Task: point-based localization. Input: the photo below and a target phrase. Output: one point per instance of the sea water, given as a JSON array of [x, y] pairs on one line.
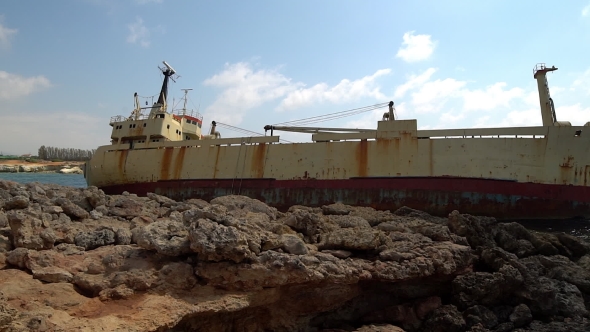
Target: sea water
[[72, 180]]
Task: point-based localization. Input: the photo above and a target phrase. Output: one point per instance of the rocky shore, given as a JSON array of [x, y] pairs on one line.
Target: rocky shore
[[41, 168], [79, 260]]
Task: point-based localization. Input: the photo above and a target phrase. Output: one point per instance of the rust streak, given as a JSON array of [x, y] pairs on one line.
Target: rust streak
[[361, 156], [122, 159], [216, 166], [179, 162], [258, 160], [166, 161]]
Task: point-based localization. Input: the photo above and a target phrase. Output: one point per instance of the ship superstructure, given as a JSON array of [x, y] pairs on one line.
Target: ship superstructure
[[154, 123], [510, 173]]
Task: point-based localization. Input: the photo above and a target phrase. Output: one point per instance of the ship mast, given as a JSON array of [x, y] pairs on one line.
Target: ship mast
[[185, 98], [169, 71], [547, 107]]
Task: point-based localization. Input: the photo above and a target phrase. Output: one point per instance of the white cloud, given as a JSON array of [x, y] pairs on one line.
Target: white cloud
[[413, 82], [52, 129], [344, 91], [244, 89], [138, 33], [586, 10], [433, 95], [576, 114], [492, 97], [582, 82], [13, 86], [415, 47], [449, 118], [6, 35]]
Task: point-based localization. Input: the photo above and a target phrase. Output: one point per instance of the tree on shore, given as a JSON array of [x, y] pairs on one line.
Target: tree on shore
[[66, 154]]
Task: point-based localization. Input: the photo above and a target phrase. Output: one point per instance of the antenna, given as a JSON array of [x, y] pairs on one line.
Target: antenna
[[172, 71], [185, 98]]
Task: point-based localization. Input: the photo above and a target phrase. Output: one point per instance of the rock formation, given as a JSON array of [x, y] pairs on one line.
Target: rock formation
[[76, 259], [58, 167]]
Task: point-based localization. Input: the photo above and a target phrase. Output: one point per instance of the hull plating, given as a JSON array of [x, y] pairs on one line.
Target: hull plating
[[438, 196]]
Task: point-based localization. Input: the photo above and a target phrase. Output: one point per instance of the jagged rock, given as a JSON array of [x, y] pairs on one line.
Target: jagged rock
[[17, 202], [337, 209], [214, 242], [338, 253], [550, 297], [354, 239], [52, 274], [17, 257], [71, 209], [445, 319], [479, 314], [575, 245], [310, 224], [379, 328], [52, 209], [213, 212], [5, 244], [163, 200], [372, 216], [3, 219], [95, 239], [234, 202], [347, 221], [29, 232], [477, 230], [486, 288], [293, 244], [167, 237], [521, 316], [95, 196], [150, 263], [123, 236]]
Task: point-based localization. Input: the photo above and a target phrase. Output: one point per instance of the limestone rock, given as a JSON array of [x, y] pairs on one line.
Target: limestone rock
[[167, 237], [92, 261], [95, 239], [214, 242], [521, 316], [17, 202], [71, 209]]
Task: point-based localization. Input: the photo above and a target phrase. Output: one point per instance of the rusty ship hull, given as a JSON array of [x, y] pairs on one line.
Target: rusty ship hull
[[538, 172], [525, 173]]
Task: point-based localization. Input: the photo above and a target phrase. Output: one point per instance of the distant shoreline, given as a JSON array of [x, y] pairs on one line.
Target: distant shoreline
[[40, 166]]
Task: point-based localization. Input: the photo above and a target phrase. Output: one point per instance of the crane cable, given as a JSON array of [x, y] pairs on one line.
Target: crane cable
[[244, 131], [332, 116], [311, 120]]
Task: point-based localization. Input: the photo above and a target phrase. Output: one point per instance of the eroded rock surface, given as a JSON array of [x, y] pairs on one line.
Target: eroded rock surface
[[77, 259]]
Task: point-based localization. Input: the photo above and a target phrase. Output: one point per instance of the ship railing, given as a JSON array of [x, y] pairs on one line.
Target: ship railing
[[117, 118], [203, 143], [539, 66], [121, 118], [515, 132], [191, 113], [509, 132]]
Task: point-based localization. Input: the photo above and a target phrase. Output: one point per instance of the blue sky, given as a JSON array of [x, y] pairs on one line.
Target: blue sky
[[67, 66]]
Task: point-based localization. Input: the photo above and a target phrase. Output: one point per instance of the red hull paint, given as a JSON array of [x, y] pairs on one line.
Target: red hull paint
[[438, 196]]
